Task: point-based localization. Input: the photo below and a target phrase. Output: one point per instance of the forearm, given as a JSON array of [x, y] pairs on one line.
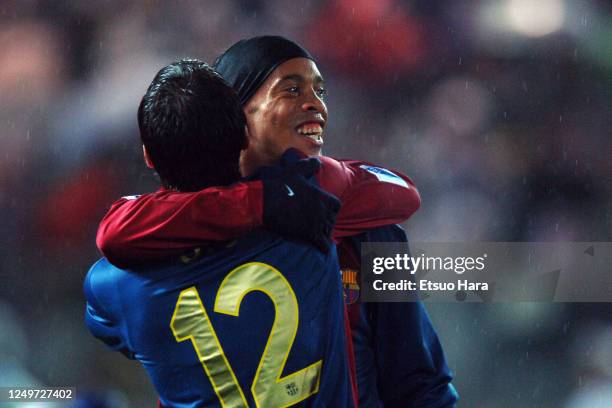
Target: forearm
[[371, 196], [158, 225]]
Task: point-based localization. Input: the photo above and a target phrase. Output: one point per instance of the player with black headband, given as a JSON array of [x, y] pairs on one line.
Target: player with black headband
[[246, 315], [399, 358]]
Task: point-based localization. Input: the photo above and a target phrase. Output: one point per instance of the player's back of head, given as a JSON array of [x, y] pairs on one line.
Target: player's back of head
[[192, 126]]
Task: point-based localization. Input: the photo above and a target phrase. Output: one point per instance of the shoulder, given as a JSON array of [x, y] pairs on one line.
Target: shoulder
[[330, 164], [382, 174], [334, 175], [284, 250], [96, 273], [100, 282]]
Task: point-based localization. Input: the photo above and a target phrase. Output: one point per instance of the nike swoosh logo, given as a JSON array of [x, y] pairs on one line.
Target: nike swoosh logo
[[290, 192]]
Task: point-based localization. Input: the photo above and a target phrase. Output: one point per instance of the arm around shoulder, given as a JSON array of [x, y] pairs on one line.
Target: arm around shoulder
[[371, 196], [155, 226]]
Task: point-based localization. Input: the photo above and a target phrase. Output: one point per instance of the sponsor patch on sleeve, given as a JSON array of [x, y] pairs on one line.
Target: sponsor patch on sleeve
[[131, 197], [385, 175]]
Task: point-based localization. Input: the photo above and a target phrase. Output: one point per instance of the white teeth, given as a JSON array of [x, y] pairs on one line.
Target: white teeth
[[316, 138], [310, 130]]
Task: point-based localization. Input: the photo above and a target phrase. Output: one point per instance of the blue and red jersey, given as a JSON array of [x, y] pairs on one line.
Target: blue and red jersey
[[259, 322], [399, 359], [154, 226]]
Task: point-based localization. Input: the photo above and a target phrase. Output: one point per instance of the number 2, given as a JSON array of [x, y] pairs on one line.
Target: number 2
[[190, 322]]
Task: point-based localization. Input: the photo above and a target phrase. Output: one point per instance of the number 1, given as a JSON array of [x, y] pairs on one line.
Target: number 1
[[190, 322]]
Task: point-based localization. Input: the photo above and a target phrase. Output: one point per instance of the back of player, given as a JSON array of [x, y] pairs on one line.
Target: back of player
[[259, 323]]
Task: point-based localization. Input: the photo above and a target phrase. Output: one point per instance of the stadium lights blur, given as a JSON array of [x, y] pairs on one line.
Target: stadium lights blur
[[534, 18]]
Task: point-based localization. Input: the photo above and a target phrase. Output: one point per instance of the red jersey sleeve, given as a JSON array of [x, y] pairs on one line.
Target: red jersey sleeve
[[371, 196], [154, 226]]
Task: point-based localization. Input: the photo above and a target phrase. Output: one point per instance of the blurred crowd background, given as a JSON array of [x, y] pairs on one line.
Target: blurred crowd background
[[500, 110]]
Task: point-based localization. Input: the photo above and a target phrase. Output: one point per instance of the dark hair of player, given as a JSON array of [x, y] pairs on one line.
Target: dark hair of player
[[192, 126]]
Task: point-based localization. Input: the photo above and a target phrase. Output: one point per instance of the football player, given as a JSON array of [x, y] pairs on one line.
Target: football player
[[253, 322], [399, 358]]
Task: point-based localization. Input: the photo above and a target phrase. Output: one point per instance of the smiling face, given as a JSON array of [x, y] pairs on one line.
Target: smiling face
[[288, 110]]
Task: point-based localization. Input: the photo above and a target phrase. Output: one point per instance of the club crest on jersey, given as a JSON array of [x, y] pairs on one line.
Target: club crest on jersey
[[350, 285], [385, 175], [291, 389]]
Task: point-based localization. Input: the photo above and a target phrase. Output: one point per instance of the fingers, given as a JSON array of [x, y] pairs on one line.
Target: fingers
[[293, 206], [306, 167]]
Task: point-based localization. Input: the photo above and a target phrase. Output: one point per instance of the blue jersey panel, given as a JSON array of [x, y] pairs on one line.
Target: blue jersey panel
[[399, 359], [263, 317]]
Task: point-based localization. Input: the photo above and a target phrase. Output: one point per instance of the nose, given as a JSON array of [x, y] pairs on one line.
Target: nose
[[312, 102]]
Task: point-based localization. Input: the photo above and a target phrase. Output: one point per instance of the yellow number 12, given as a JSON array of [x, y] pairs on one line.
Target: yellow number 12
[[191, 322]]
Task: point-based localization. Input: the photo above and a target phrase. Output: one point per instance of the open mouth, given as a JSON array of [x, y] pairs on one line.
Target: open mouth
[[311, 130]]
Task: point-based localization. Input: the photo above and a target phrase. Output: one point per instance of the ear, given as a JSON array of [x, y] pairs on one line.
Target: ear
[[147, 159]]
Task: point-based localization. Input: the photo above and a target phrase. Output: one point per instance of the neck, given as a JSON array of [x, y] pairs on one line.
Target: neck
[[249, 163]]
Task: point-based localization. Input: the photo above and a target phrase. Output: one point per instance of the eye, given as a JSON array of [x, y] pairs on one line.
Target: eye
[[321, 93], [293, 89]]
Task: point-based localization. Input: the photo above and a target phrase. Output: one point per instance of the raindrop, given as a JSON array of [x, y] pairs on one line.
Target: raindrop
[[566, 327]]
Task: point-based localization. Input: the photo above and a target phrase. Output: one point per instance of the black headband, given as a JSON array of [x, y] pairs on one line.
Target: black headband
[[248, 63]]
